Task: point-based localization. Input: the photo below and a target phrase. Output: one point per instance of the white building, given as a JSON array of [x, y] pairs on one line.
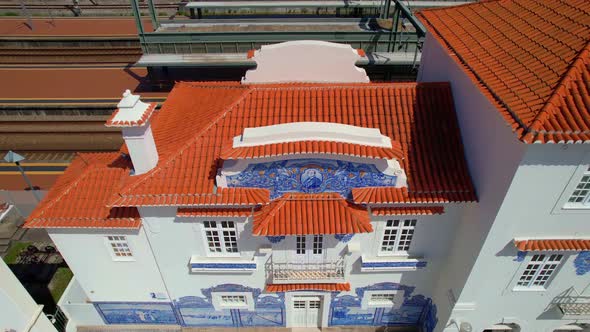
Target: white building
[[330, 201], [19, 312], [520, 75]]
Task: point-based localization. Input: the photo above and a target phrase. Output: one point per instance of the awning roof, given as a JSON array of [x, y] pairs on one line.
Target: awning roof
[[301, 214], [553, 244], [279, 288]]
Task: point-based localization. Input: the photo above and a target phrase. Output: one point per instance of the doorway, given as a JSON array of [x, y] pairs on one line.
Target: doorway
[[306, 311]]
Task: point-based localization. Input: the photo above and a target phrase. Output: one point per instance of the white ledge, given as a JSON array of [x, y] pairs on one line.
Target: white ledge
[[391, 263], [225, 264]]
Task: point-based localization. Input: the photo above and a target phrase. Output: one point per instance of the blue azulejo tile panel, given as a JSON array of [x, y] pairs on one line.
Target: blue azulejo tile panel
[[136, 313], [428, 319], [347, 309], [262, 317], [310, 176], [205, 317]]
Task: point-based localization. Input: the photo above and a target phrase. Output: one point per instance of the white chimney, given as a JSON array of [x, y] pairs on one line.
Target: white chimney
[[133, 116]]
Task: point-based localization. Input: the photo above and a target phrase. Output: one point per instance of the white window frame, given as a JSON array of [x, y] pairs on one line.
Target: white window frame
[[580, 189], [318, 244], [220, 235], [219, 304], [397, 241], [398, 299], [538, 264], [109, 240]]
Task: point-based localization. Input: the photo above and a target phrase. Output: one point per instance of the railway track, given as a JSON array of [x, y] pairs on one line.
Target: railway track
[[17, 7], [85, 55]]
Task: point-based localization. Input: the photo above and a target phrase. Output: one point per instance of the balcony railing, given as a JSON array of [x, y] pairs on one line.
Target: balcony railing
[[575, 306], [332, 271], [572, 303]]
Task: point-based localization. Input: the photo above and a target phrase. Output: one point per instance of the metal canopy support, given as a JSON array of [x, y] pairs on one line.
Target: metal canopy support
[[137, 15], [407, 13], [153, 14]]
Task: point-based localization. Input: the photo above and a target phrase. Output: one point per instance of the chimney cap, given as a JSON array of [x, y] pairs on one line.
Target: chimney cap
[[131, 112]]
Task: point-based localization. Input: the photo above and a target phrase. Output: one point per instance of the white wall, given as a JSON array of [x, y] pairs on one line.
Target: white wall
[[101, 277], [528, 211], [493, 154], [17, 307], [518, 187]]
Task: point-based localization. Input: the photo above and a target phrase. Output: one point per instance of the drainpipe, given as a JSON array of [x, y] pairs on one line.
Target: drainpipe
[[156, 261]]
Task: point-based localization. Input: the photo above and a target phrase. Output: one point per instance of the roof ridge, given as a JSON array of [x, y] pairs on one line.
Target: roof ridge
[[565, 79], [151, 173]]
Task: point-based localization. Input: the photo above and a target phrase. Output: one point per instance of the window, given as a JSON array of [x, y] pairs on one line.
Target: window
[[382, 299], [397, 235], [221, 236], [318, 243], [119, 247], [233, 300], [581, 194], [300, 245], [539, 270]]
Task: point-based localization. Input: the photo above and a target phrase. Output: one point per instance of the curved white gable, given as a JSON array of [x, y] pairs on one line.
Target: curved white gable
[[315, 131], [306, 61]]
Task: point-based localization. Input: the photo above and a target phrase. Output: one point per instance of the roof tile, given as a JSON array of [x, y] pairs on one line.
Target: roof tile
[[553, 244], [529, 57], [281, 288]]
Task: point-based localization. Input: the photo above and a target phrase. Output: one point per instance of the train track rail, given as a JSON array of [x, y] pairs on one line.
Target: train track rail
[[83, 7], [84, 55]]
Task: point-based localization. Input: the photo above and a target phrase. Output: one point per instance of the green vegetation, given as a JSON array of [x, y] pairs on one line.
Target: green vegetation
[[9, 14], [14, 251], [60, 281]]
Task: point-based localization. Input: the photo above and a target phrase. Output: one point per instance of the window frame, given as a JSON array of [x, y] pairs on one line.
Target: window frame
[[541, 266], [397, 241], [218, 304], [582, 179], [125, 240], [398, 299], [222, 243]]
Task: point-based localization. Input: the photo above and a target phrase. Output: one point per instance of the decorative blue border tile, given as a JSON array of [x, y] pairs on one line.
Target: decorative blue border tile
[[582, 263], [242, 266], [410, 264]]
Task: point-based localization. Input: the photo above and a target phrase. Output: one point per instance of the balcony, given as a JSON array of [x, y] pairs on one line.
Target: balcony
[[573, 305], [287, 272]]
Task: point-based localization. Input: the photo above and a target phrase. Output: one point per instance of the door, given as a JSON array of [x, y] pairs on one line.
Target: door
[[306, 311], [309, 249]]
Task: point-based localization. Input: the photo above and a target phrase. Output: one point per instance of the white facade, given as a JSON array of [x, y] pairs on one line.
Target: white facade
[[19, 312], [522, 190]]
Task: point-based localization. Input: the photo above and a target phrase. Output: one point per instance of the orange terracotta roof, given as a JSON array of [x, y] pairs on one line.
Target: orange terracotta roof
[[433, 159], [281, 288], [78, 197], [312, 147], [407, 210], [553, 244], [420, 116], [531, 58], [145, 116], [392, 195], [300, 214], [214, 212]]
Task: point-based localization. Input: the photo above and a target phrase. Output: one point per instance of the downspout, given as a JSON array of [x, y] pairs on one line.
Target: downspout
[[156, 261]]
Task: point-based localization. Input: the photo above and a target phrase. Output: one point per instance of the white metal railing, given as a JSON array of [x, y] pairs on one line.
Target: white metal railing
[[279, 271], [575, 306], [571, 303]]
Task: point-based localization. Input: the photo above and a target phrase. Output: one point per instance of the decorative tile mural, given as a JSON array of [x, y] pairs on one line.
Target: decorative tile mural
[[199, 311], [269, 310], [520, 256], [347, 310], [136, 313], [582, 263], [310, 176], [343, 237]]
